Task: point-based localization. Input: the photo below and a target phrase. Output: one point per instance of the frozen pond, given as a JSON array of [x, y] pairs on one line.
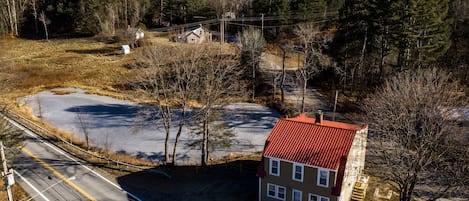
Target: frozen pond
[[111, 124]]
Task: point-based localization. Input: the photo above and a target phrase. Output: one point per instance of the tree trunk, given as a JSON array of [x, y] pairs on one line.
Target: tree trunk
[[305, 83], [305, 76], [45, 29], [166, 147], [126, 13], [204, 157], [178, 134], [362, 57], [384, 47], [282, 83], [166, 115], [344, 83], [10, 16], [274, 86], [35, 16], [15, 20], [253, 75], [160, 20]]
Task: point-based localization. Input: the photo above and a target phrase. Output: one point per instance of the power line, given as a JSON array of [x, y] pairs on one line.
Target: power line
[[243, 19], [272, 26]]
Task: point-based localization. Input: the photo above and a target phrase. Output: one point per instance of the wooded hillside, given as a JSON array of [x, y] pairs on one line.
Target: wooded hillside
[[372, 38]]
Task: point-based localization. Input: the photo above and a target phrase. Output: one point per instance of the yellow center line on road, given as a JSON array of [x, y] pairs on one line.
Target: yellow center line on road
[[60, 176]]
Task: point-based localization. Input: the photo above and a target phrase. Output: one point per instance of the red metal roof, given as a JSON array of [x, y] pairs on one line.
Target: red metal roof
[[301, 140]]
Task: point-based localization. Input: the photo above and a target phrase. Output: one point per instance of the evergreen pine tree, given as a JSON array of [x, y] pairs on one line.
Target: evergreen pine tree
[[421, 31], [351, 41], [379, 25], [280, 8], [309, 9]]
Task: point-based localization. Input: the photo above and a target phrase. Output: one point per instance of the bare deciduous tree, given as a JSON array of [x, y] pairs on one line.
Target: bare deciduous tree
[[45, 22], [34, 6], [222, 6], [219, 134], [413, 133], [39, 106], [313, 43], [11, 15], [251, 46], [218, 80], [108, 22], [178, 75], [85, 127], [169, 81]]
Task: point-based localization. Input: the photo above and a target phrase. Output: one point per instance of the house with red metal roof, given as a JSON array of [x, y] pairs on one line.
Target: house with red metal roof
[[311, 159]]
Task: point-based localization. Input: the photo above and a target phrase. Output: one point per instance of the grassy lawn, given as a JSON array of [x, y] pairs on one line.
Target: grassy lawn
[[97, 66], [16, 190], [35, 65]]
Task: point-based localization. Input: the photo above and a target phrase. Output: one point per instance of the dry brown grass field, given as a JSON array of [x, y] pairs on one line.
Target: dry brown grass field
[[35, 65], [29, 66], [96, 66], [17, 191]]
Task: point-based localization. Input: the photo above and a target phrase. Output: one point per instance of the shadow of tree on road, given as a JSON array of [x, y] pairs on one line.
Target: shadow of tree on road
[[233, 181]]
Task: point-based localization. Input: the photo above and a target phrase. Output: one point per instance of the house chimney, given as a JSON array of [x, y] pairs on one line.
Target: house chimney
[[319, 117]]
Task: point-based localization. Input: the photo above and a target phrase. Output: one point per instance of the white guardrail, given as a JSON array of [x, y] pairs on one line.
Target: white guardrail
[[44, 132]]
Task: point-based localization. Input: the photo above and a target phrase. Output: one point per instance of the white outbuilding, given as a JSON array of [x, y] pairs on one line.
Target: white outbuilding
[[125, 49]]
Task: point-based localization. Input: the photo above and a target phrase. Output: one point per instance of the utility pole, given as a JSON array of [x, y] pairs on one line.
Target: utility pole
[[222, 31], [5, 172], [222, 26], [262, 26], [242, 22], [335, 104]]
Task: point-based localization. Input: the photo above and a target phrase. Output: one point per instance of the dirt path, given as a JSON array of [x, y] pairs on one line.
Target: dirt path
[[293, 89]]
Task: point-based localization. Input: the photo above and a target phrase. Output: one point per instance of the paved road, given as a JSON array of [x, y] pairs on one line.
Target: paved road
[[47, 173]]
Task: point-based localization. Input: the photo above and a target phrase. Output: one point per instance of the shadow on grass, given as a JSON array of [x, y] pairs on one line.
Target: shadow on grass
[[225, 182], [109, 51]]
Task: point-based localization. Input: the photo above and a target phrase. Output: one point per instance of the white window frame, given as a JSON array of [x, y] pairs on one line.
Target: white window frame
[[311, 195], [268, 190], [277, 192], [318, 197], [319, 177], [293, 195], [284, 193], [294, 172], [270, 167], [322, 198]]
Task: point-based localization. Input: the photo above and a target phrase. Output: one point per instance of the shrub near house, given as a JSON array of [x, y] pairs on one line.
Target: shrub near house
[[311, 159]]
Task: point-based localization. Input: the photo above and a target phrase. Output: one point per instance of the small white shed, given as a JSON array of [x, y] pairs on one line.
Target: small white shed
[[134, 33], [125, 49], [139, 34]]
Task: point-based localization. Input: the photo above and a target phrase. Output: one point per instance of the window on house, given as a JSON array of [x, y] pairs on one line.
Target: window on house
[[324, 199], [297, 195], [323, 177], [281, 193], [276, 191], [271, 190], [298, 172], [313, 197], [274, 167]]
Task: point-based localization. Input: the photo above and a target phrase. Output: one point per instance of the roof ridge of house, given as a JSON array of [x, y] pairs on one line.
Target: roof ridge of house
[[329, 126]]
